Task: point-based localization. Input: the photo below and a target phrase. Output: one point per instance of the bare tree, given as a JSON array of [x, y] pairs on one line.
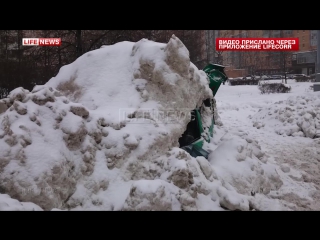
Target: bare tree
[[222, 56], [252, 61], [285, 58]]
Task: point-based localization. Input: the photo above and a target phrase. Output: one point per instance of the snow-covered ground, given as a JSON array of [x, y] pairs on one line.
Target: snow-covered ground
[[296, 157], [85, 140]]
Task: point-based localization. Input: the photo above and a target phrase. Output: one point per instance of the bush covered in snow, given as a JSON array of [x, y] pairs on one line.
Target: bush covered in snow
[[266, 87], [305, 78], [240, 81]]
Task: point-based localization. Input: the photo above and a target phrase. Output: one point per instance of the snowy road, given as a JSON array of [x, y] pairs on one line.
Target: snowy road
[[298, 156]]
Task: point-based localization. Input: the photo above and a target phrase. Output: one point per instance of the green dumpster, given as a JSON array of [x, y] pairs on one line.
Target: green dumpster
[[193, 138], [216, 76]]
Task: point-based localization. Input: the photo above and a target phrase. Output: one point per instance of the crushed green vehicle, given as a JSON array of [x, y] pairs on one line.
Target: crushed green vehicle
[[198, 130]]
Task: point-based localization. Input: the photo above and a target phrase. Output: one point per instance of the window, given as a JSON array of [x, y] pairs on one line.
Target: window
[[288, 32], [301, 60], [266, 33], [313, 38], [302, 45], [310, 71], [294, 57]]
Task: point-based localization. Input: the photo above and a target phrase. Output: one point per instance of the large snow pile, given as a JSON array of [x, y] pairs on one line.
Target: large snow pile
[[297, 116], [100, 122], [103, 134]]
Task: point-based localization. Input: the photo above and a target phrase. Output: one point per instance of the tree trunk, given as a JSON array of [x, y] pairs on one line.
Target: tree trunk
[[19, 33], [285, 73], [59, 58], [6, 36], [78, 43]]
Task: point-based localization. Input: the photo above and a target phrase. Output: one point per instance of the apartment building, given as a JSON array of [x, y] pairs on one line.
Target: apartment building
[[275, 62], [304, 61]]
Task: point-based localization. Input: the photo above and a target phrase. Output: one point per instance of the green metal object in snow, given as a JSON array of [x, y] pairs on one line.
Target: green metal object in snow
[[193, 138], [216, 76]]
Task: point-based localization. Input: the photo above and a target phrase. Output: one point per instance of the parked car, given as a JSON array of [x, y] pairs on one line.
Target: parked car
[[265, 77], [249, 77], [301, 78], [276, 77], [312, 75], [290, 76], [299, 75]]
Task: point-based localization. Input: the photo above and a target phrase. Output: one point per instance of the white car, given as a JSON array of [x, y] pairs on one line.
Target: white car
[[290, 75], [276, 77], [299, 75], [249, 77]]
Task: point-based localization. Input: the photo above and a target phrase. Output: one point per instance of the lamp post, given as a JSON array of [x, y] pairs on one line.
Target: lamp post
[[316, 85]]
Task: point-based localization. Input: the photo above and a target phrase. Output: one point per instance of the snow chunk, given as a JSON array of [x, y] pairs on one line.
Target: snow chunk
[[146, 195], [9, 204]]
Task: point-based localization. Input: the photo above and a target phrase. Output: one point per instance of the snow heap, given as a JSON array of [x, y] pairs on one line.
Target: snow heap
[[103, 134], [102, 120], [297, 116]]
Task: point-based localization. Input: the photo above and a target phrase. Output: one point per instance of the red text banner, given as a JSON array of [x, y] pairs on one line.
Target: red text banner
[[257, 44]]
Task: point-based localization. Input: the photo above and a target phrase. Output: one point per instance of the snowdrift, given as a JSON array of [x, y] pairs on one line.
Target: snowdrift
[[103, 134], [297, 116], [101, 121]]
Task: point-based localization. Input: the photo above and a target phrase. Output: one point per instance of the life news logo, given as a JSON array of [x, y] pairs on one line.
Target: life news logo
[[41, 42]]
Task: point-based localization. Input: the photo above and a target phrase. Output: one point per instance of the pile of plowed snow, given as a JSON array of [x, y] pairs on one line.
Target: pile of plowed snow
[[103, 134], [298, 116]]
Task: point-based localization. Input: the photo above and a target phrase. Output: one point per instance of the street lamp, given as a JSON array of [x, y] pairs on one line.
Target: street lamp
[[316, 85]]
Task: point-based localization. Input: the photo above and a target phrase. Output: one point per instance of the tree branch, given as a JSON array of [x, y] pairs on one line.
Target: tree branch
[[96, 40]]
